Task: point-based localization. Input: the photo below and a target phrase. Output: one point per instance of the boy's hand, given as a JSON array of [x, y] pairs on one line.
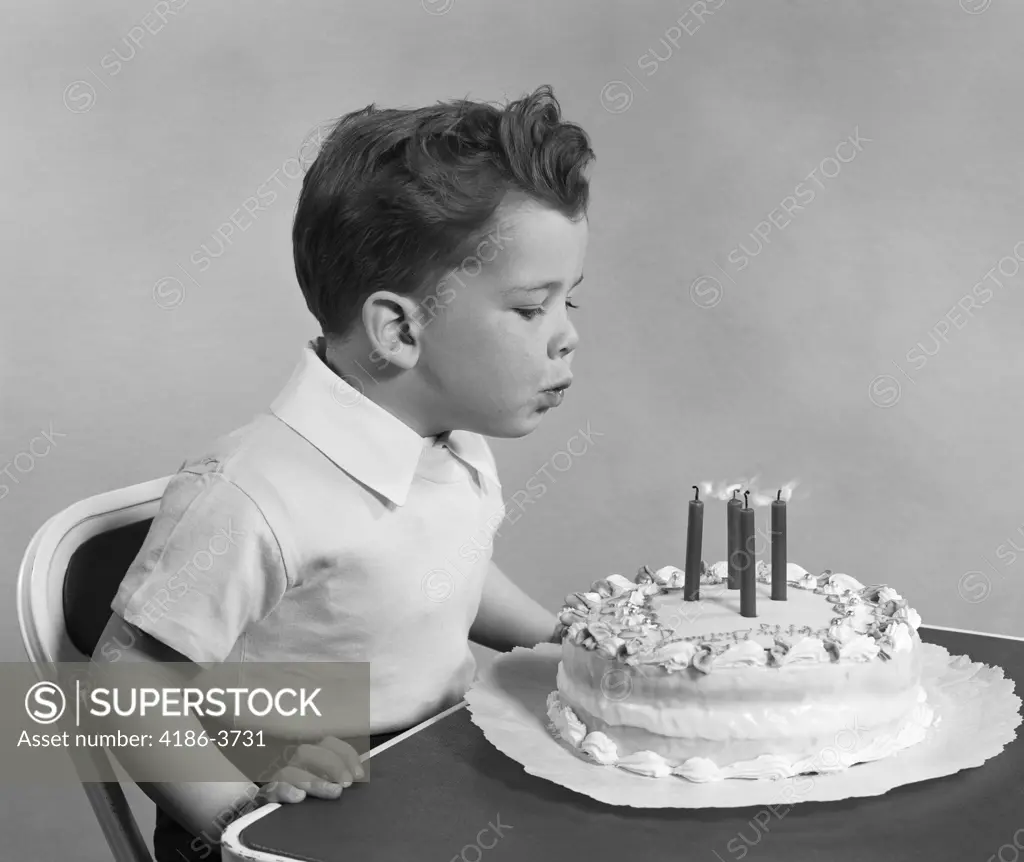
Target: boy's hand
[[320, 770]]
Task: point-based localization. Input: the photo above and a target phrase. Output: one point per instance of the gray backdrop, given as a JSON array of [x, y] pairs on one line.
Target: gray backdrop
[[722, 337]]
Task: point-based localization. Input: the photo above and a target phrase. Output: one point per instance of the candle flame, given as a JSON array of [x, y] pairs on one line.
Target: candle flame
[[723, 491]]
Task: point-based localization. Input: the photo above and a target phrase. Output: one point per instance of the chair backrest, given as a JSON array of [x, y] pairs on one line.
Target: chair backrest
[[93, 576], [73, 567], [68, 578]]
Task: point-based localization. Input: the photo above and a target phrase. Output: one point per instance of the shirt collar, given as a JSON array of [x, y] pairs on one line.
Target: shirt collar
[[360, 436]]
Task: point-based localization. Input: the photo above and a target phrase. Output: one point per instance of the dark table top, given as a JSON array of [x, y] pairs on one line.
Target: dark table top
[[446, 793]]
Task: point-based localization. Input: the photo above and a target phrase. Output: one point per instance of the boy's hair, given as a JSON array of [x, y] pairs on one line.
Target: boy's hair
[[397, 198]]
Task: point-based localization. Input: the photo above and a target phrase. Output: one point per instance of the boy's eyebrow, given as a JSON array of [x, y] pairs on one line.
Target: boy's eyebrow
[[530, 289]]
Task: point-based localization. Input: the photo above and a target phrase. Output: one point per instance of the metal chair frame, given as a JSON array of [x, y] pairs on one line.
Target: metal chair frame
[[45, 633]]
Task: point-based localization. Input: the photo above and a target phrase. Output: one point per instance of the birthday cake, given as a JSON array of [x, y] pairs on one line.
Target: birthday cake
[[664, 687]]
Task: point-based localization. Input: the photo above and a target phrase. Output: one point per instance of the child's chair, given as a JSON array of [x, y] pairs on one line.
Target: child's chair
[[68, 578]]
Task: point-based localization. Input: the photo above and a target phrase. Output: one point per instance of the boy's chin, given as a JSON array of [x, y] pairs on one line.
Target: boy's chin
[[518, 426]]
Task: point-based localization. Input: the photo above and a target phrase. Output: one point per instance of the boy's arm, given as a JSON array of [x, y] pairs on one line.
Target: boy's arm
[[204, 808], [508, 617]]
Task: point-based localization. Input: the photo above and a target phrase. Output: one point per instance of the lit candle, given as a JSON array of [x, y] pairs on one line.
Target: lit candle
[[694, 537], [732, 515], [779, 549], [748, 570]]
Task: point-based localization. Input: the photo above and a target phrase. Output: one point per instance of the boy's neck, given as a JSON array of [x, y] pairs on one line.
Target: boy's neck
[[390, 388]]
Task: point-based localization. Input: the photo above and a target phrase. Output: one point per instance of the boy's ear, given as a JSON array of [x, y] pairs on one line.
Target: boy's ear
[[392, 327]]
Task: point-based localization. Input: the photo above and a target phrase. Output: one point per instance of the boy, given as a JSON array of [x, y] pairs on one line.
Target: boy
[[438, 249]]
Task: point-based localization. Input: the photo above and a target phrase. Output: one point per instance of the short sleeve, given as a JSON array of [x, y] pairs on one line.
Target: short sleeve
[[209, 568]]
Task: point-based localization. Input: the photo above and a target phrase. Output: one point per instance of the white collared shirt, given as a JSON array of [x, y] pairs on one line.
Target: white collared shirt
[[326, 530]]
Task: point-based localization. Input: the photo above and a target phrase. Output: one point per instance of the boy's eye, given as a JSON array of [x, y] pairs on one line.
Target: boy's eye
[[531, 313]]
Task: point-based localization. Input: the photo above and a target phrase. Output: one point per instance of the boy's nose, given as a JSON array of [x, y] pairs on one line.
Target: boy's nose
[[566, 341]]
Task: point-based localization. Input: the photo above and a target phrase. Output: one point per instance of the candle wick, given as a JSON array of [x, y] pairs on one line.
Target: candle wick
[[746, 502], [696, 495], [779, 498]]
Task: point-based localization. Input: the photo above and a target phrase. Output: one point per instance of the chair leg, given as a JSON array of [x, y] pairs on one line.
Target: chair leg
[[117, 822], [110, 806]]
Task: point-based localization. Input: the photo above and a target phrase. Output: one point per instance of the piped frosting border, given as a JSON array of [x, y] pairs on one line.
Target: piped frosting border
[[616, 619], [599, 748]]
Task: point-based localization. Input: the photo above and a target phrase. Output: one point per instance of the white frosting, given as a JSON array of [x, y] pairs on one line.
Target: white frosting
[[743, 654], [808, 649], [901, 637], [575, 630], [646, 763], [861, 617], [619, 584], [609, 647], [597, 623], [807, 582], [841, 633], [670, 576], [594, 619], [566, 722], [718, 572], [859, 648], [909, 616], [839, 584], [603, 750], [698, 770], [675, 655], [795, 572], [600, 747], [888, 594]]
